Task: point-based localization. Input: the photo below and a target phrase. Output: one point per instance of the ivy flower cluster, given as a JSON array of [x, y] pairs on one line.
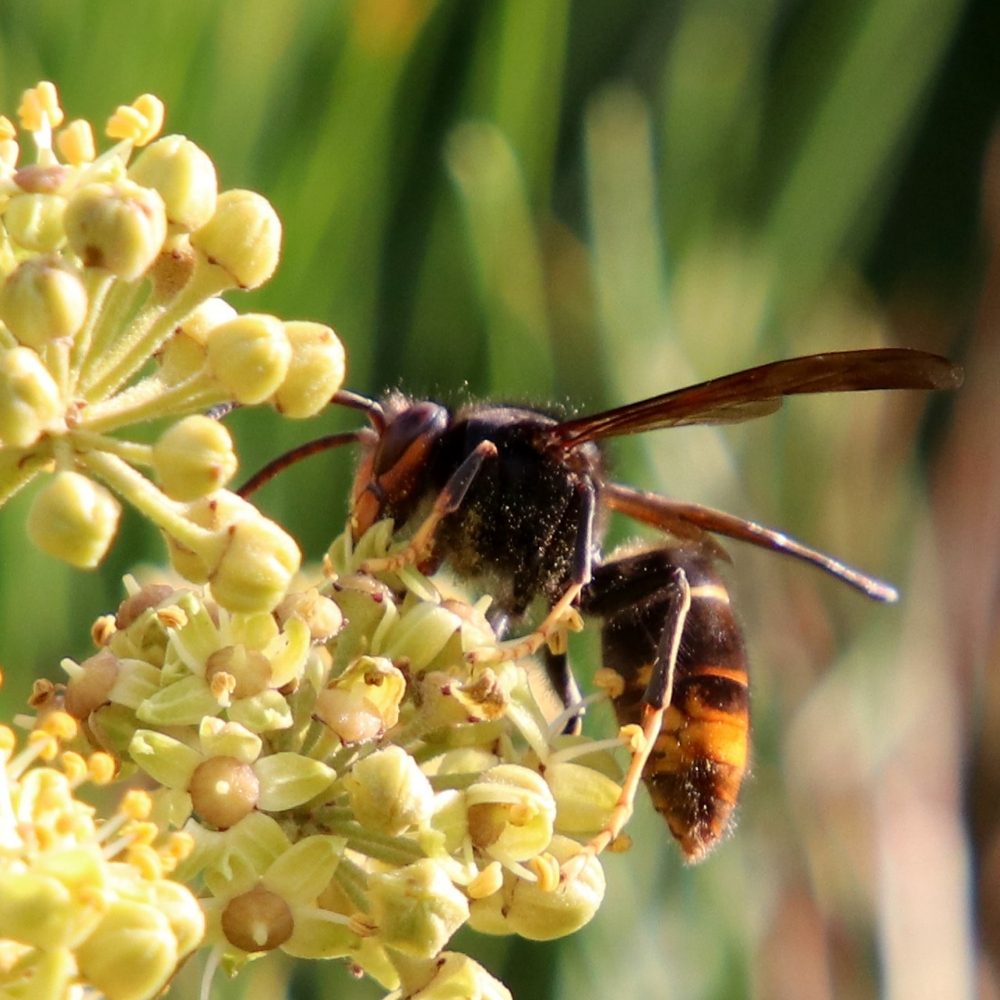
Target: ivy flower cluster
[[327, 771], [84, 899], [107, 262], [350, 785]]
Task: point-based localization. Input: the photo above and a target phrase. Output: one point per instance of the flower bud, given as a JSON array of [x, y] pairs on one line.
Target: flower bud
[[35, 221], [43, 300], [321, 616], [185, 916], [119, 227], [185, 353], [458, 977], [30, 402], [184, 175], [256, 567], [74, 519], [389, 792], [315, 373], [416, 908], [243, 237], [532, 911], [194, 457], [250, 355], [132, 954], [217, 513]]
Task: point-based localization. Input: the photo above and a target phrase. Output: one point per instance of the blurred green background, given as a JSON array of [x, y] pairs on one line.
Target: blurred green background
[[583, 202]]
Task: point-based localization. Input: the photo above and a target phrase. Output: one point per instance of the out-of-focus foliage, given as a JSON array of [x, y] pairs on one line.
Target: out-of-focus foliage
[[589, 202]]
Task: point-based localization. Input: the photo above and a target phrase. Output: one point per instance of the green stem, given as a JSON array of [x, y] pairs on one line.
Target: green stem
[[152, 399], [165, 513], [18, 466], [105, 324], [149, 330], [133, 452]]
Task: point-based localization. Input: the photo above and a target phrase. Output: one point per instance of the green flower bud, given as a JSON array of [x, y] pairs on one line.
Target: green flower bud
[[537, 913], [36, 910], [43, 300], [194, 457], [185, 354], [184, 175], [74, 519], [511, 813], [132, 954], [458, 977], [256, 567], [119, 227], [217, 512], [416, 908], [243, 237], [321, 616], [250, 355], [316, 371], [389, 792], [185, 916], [30, 402], [35, 221]]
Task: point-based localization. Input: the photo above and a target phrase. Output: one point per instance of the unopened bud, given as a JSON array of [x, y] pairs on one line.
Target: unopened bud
[[243, 237], [389, 792], [119, 227], [256, 567], [74, 519], [35, 221], [416, 908], [194, 457], [29, 398], [250, 355], [42, 300], [315, 373], [185, 177], [458, 977], [132, 953]]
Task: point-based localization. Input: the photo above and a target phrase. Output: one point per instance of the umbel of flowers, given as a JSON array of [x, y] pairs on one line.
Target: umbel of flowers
[[327, 771], [106, 262]]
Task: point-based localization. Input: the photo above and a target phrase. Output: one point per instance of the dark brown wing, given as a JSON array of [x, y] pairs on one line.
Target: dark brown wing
[[685, 520], [759, 391]]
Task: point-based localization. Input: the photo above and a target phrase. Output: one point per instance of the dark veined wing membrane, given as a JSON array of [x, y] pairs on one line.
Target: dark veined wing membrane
[[687, 520], [759, 391]]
